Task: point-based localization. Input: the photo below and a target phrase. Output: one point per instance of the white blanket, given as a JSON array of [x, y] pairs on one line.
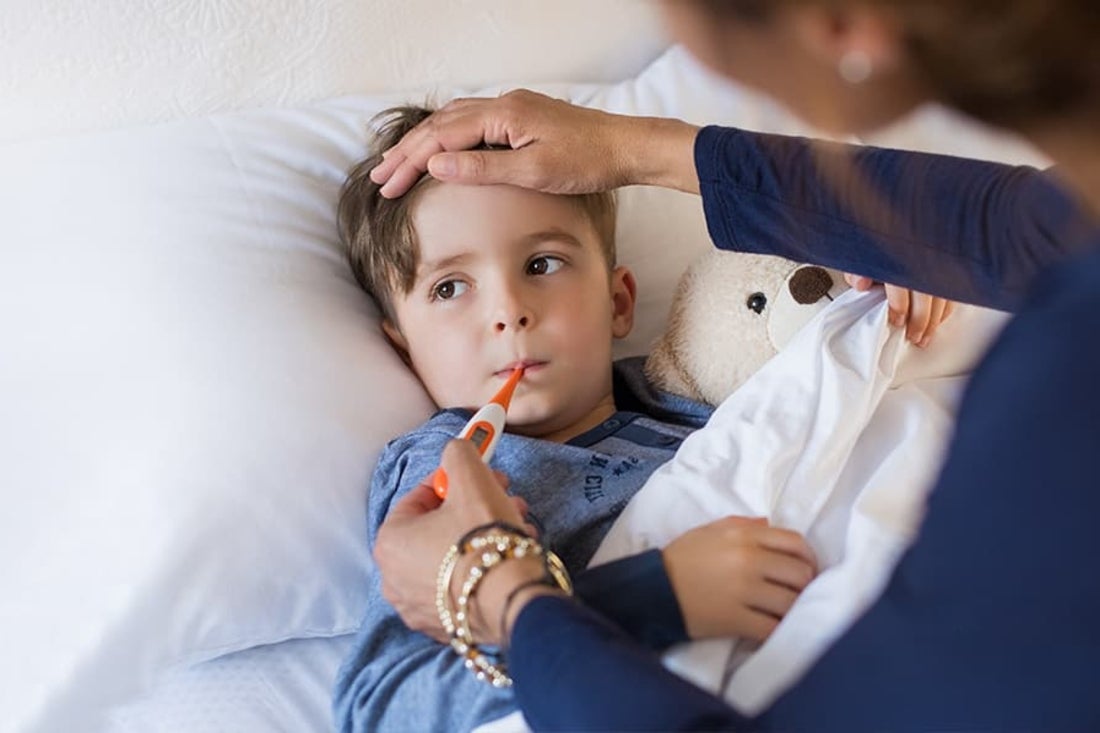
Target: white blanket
[[838, 437]]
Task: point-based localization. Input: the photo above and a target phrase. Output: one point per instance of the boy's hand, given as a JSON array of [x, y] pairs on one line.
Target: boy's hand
[[921, 314], [737, 576]]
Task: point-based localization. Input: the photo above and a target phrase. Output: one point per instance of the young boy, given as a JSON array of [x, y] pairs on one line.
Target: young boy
[[472, 282]]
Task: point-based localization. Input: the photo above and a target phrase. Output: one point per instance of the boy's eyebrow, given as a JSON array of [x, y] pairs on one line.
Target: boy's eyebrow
[[554, 234], [442, 263]]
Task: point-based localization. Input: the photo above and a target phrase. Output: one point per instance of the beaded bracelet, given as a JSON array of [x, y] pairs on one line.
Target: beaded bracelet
[[495, 542], [443, 589]]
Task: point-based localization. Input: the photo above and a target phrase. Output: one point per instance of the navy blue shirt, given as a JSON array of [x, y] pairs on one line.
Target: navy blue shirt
[[992, 619]]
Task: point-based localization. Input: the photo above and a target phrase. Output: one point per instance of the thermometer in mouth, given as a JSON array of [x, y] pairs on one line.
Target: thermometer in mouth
[[484, 429]]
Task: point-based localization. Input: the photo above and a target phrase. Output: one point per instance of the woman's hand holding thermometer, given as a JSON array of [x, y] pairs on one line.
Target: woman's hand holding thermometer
[[484, 429]]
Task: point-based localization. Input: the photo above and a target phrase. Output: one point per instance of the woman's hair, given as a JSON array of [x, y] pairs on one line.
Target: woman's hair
[[378, 232], [1009, 62]]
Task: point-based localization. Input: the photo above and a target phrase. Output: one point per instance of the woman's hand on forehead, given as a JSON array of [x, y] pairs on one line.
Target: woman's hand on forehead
[[536, 139]]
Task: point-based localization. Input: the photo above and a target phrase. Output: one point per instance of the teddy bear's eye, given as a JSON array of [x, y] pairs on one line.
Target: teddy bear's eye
[[756, 302]]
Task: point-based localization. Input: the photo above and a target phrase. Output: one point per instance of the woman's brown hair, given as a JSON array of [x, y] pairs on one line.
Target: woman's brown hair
[[1008, 62]]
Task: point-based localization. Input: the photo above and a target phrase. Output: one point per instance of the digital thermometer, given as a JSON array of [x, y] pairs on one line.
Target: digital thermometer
[[483, 429]]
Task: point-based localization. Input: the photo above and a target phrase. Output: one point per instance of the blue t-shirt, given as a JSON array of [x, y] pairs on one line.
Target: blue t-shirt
[[401, 680]]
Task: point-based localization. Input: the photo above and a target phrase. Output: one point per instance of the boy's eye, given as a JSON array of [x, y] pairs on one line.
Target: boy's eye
[[448, 289], [544, 265]]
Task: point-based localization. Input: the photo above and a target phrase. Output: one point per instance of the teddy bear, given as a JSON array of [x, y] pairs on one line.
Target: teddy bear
[[732, 312]]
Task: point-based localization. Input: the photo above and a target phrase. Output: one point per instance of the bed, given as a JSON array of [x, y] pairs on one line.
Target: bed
[[194, 389]]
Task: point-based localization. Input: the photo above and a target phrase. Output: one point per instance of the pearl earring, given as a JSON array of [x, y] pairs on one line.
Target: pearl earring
[[855, 67]]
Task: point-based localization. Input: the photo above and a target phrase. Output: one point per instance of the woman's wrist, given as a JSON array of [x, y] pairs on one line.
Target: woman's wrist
[[660, 151], [493, 597]]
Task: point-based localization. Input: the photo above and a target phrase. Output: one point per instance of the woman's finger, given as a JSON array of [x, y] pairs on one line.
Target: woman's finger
[[420, 500], [858, 282], [472, 487], [452, 128], [936, 317], [898, 300], [920, 316]]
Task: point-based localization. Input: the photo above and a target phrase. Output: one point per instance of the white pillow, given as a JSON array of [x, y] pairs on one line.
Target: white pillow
[[195, 391]]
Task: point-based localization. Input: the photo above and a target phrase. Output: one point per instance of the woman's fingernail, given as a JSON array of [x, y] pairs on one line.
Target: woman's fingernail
[[442, 165], [924, 342]]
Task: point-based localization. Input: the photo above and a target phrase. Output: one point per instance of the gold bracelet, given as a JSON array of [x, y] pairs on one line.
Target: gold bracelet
[[443, 590], [494, 544], [494, 548]]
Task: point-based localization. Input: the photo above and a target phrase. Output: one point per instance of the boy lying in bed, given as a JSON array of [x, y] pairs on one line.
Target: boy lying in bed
[[472, 283]]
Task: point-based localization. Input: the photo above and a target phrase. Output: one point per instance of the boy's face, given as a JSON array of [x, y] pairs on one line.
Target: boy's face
[[512, 277]]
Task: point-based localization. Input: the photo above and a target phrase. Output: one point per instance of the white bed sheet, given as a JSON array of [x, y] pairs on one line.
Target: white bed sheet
[[280, 688]]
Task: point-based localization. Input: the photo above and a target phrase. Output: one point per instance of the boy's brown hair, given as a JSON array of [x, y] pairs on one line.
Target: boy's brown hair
[[378, 232]]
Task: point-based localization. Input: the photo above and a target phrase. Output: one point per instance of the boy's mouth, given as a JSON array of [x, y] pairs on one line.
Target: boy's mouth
[[527, 365]]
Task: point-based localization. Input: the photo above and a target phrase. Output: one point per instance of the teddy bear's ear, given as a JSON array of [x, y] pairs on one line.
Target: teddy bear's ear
[[808, 289]]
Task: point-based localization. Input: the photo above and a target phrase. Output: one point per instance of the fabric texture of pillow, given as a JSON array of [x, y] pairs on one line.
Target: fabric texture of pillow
[[196, 390]]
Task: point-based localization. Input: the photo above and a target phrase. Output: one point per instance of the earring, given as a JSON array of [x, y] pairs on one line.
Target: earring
[[855, 67]]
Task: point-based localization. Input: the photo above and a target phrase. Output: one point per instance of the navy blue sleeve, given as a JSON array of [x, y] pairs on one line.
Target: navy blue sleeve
[[967, 230], [575, 671], [635, 593]]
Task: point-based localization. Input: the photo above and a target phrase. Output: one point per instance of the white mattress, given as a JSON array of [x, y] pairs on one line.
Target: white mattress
[[279, 688]]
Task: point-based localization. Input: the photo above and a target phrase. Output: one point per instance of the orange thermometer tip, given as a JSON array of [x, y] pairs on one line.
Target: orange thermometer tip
[[504, 396], [484, 428]]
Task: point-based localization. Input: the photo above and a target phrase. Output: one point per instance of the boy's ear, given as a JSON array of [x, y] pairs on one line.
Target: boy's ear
[[623, 293], [396, 339]]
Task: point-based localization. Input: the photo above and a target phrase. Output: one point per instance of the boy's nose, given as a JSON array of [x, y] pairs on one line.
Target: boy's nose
[[514, 308], [515, 322]]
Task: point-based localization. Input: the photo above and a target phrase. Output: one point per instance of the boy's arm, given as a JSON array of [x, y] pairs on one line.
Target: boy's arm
[[396, 678]]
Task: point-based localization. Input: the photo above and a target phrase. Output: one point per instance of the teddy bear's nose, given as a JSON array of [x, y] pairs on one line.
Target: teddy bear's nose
[[809, 284]]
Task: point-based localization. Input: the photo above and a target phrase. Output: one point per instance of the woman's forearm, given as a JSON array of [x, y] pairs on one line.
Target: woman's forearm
[[574, 671], [963, 229], [660, 152], [635, 594]]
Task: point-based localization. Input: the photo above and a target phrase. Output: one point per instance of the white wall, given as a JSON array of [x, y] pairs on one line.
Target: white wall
[[73, 65]]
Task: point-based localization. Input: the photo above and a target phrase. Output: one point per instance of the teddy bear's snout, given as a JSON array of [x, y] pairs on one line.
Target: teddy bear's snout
[[809, 284]]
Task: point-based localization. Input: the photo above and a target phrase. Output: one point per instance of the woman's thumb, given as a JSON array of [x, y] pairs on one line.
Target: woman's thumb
[[463, 464], [474, 166]]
